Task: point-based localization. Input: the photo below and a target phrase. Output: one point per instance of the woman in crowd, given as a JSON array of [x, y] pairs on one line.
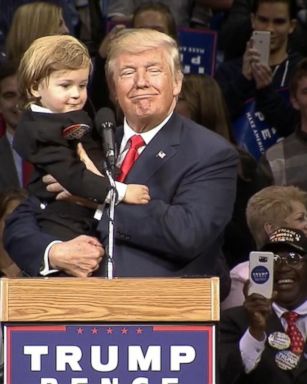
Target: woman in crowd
[[270, 208], [31, 21]]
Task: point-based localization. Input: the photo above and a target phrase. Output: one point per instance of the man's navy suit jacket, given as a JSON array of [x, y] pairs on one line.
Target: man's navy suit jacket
[[8, 172], [191, 174], [233, 325]]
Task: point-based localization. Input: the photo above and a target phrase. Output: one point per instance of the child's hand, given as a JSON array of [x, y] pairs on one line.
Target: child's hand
[[86, 160], [137, 194]]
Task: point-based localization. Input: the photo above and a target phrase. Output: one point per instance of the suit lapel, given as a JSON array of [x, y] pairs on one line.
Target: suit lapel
[[302, 366], [274, 325], [9, 171], [160, 149]]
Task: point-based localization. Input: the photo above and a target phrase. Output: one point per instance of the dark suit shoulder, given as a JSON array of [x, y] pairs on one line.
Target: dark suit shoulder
[[235, 319], [202, 139]]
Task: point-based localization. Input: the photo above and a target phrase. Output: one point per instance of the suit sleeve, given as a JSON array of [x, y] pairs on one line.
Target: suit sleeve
[[21, 228], [49, 152], [195, 217], [72, 174], [230, 363], [235, 87]]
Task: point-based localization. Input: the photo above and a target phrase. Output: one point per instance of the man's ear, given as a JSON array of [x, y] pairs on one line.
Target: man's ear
[[293, 24], [177, 84]]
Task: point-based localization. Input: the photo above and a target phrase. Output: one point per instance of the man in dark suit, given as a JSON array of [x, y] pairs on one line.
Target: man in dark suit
[[190, 172], [258, 341], [10, 161]]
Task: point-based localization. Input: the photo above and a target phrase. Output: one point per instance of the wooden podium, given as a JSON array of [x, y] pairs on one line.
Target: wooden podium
[[77, 327]]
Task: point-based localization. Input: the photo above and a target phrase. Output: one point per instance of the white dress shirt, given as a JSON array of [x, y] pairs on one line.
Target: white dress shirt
[[252, 349], [146, 136]]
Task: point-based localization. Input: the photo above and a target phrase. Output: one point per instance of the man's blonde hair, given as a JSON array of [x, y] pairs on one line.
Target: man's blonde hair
[[47, 55], [138, 40], [271, 205]]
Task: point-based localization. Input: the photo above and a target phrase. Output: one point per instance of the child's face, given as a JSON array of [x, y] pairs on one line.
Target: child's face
[[64, 91]]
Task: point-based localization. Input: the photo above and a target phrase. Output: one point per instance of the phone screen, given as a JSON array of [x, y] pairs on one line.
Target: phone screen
[[261, 273], [262, 41]]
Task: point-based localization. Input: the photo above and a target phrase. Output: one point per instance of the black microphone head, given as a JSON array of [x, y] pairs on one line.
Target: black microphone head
[[104, 119]]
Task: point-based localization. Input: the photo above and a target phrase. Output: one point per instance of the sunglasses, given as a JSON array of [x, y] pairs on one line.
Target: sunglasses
[[291, 258]]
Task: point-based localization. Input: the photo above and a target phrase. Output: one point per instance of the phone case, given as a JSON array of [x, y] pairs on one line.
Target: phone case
[[261, 273], [261, 41]]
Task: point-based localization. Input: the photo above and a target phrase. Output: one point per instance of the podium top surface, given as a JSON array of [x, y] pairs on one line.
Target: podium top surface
[[102, 300]]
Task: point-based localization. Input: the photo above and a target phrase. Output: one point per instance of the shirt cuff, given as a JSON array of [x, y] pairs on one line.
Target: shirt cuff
[[251, 351], [121, 189], [45, 268]]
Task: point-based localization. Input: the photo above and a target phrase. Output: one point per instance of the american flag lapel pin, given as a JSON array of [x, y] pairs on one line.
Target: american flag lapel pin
[[161, 154]]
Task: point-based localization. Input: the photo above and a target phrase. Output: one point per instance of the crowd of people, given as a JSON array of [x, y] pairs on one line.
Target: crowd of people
[[196, 186]]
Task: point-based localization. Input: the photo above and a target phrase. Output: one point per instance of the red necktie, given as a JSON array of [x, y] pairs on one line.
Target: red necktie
[[297, 340], [27, 169], [136, 142]]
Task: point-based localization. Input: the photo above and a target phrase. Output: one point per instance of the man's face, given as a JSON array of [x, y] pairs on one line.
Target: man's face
[[64, 91], [153, 20], [275, 18], [8, 101], [145, 88], [290, 282]]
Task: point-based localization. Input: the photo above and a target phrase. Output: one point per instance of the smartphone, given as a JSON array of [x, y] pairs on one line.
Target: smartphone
[[262, 41], [261, 273]]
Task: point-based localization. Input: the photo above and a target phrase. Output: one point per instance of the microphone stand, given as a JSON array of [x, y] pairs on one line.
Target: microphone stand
[[110, 246]]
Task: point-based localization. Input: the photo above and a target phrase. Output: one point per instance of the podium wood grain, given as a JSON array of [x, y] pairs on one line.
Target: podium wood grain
[[116, 300]]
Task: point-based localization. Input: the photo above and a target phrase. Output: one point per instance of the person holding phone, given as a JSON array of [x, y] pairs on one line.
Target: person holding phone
[[283, 162], [263, 341], [270, 208], [249, 84]]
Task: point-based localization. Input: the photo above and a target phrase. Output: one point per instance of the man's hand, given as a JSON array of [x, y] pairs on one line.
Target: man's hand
[[250, 55], [78, 257], [258, 309], [137, 194], [262, 74], [83, 156], [62, 194], [52, 185]]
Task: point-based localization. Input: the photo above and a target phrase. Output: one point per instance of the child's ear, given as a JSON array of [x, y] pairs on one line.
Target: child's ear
[[34, 90]]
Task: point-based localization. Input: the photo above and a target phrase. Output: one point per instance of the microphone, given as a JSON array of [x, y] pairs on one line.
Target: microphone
[[105, 125]]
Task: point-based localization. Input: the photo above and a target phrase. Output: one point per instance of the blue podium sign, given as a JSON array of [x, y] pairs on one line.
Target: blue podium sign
[[251, 130], [110, 354], [198, 51]]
